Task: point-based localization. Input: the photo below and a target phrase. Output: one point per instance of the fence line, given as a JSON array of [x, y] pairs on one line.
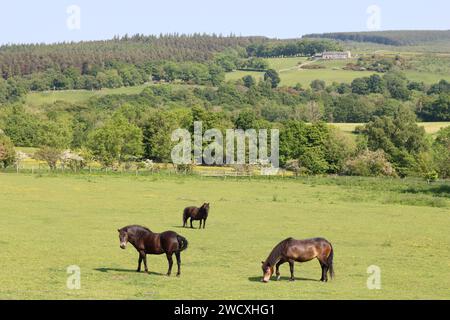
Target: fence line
[[198, 170]]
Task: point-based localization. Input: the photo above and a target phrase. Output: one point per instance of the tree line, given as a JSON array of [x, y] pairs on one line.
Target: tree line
[[26, 59], [387, 146], [120, 129], [395, 38], [303, 47]]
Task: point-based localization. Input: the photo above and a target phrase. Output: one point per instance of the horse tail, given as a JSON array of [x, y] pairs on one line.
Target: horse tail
[[182, 243], [185, 216], [330, 262]]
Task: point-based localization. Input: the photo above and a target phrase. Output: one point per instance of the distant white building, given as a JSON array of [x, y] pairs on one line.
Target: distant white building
[[335, 55]]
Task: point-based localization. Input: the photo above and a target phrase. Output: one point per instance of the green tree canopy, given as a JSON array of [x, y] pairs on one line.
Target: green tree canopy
[[272, 76], [399, 137], [116, 141], [7, 152], [441, 152]]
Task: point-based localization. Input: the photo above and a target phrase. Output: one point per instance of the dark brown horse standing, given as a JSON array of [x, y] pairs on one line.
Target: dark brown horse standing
[[148, 242], [195, 213], [291, 250]]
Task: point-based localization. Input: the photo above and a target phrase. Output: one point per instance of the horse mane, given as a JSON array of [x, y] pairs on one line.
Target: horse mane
[[203, 209], [138, 227], [274, 256]]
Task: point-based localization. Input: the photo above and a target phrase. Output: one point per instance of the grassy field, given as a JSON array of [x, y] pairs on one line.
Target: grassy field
[[52, 222], [36, 99], [291, 74], [74, 96], [430, 127]]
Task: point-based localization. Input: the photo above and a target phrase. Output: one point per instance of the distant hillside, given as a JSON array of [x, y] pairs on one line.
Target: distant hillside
[[18, 60], [395, 38]]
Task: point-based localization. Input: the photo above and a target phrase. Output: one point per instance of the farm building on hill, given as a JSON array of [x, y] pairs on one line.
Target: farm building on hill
[[335, 55]]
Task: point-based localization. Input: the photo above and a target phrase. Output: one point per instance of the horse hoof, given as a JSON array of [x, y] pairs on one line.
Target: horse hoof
[[291, 280], [178, 275]]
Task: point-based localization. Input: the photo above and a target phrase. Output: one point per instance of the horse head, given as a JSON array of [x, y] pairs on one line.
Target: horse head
[[205, 207], [123, 237], [267, 271]]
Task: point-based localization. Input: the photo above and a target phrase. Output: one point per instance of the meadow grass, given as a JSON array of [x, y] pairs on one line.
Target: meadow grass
[[74, 96], [50, 222], [291, 74], [333, 72], [426, 77], [430, 127], [39, 98], [239, 74]]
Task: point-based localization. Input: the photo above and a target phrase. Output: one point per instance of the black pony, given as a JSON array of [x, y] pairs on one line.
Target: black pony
[[196, 214]]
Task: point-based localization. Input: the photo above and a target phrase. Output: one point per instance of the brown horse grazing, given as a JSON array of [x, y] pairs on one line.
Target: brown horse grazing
[[147, 242], [196, 214], [291, 250]]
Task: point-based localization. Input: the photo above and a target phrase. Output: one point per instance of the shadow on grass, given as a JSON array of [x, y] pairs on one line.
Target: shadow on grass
[[186, 228], [442, 190], [258, 279], [126, 270]]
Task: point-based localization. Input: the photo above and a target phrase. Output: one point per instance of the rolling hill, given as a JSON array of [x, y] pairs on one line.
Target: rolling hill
[[395, 38]]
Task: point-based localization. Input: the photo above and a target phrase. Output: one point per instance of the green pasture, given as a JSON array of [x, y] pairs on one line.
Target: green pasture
[[430, 127], [426, 77], [50, 222], [74, 96], [291, 74]]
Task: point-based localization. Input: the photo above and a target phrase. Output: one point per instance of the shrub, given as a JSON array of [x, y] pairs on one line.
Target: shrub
[[312, 66], [313, 160], [7, 153], [441, 152], [431, 176], [184, 168], [318, 85], [370, 164], [294, 166], [49, 155], [72, 160]]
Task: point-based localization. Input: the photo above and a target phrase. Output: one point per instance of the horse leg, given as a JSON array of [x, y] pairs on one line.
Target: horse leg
[[143, 257], [278, 268], [191, 223], [200, 226], [184, 220], [169, 258], [324, 266], [178, 256], [139, 263], [291, 267], [204, 222]]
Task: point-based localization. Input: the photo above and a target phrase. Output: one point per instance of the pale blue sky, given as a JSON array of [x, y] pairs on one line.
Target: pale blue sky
[[45, 20]]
